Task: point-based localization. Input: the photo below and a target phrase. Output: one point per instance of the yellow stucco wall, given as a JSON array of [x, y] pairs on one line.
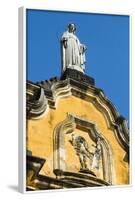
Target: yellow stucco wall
[[40, 136]]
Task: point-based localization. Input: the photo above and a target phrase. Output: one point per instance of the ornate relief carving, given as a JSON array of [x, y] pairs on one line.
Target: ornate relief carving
[[82, 150], [99, 159], [89, 159]]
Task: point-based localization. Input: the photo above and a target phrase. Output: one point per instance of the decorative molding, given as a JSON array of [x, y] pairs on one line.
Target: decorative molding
[[68, 126], [63, 88], [37, 102], [36, 181]]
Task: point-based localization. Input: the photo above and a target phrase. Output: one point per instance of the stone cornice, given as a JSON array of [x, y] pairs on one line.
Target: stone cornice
[[68, 179]]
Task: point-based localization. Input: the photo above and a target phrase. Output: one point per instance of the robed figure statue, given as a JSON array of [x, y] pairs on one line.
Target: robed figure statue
[[73, 52]]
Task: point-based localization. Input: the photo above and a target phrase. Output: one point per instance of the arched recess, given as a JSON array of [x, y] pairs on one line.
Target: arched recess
[[68, 126]]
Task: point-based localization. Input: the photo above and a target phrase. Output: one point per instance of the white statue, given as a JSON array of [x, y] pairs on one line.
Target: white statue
[[73, 52]]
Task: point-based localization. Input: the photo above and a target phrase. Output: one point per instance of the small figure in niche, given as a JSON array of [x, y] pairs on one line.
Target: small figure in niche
[[82, 150], [97, 155]]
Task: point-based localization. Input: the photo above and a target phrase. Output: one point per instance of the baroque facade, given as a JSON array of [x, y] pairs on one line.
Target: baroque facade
[[75, 136]]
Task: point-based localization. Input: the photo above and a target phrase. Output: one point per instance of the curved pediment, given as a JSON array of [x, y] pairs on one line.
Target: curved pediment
[[46, 95]]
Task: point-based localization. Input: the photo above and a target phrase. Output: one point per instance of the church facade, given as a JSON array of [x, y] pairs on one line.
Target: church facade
[[75, 136]]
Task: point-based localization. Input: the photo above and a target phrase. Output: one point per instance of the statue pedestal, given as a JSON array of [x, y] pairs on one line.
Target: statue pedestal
[[78, 76]]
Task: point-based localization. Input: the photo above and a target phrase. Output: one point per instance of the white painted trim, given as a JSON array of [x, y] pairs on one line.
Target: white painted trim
[[22, 100]]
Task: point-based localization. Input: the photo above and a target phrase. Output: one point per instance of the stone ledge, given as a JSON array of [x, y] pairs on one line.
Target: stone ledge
[[79, 76]]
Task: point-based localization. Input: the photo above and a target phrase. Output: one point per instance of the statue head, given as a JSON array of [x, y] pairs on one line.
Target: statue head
[[71, 28]]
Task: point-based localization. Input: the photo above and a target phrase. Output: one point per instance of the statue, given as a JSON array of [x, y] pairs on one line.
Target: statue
[[97, 155], [81, 147], [73, 52]]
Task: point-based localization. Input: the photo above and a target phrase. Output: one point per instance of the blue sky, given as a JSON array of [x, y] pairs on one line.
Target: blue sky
[[107, 56]]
